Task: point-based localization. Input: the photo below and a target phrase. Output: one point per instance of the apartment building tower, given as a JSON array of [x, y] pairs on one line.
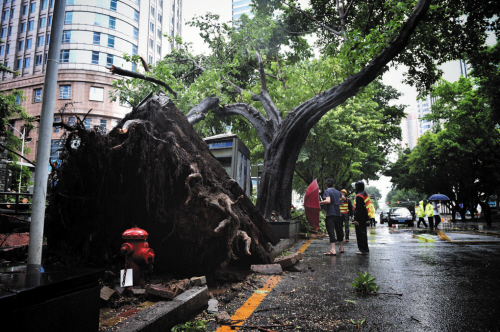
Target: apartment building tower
[[96, 35], [241, 7]]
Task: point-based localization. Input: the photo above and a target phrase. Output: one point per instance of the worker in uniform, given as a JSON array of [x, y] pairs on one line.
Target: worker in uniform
[[429, 211], [363, 211], [421, 214], [346, 212]]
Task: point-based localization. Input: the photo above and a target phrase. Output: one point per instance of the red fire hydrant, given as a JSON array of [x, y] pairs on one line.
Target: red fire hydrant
[[138, 255]]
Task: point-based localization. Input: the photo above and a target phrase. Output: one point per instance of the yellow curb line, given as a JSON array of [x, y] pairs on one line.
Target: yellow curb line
[[246, 310]]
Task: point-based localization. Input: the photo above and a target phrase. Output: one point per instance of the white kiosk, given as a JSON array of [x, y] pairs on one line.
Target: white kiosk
[[234, 156]]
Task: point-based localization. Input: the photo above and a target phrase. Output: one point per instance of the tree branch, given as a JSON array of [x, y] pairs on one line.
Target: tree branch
[[128, 73], [313, 19], [199, 112]]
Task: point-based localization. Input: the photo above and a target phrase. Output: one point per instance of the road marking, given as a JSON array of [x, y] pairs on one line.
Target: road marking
[[247, 309], [424, 238]]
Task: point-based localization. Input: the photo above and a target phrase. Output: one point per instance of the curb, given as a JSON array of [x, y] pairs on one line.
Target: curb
[[166, 314]]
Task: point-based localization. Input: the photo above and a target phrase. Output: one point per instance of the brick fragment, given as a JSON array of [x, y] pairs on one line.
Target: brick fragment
[[198, 281], [107, 294], [267, 269], [160, 292]]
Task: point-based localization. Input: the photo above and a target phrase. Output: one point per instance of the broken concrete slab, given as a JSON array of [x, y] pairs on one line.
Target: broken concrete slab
[[198, 281], [166, 314], [213, 306], [160, 292], [299, 267], [287, 261], [267, 268], [138, 291], [223, 318], [107, 294]]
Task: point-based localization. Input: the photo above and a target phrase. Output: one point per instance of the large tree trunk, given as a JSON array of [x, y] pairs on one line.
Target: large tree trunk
[[159, 175]]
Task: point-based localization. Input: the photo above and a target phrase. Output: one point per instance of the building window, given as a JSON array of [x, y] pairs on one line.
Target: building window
[[96, 94], [151, 27], [4, 32], [151, 43], [65, 92], [50, 20], [95, 57], [109, 60], [153, 11], [64, 56], [8, 51], [18, 100], [20, 45], [71, 121], [29, 43], [136, 15], [112, 22], [41, 23], [33, 7], [2, 50], [44, 4], [25, 10], [150, 60], [97, 38], [19, 64], [66, 37], [37, 95], [160, 3], [51, 3], [6, 64], [134, 49], [68, 18], [87, 123], [112, 5], [12, 13], [48, 38], [27, 62], [56, 128], [10, 31], [38, 60], [136, 33], [39, 41], [111, 41], [103, 126], [31, 25], [158, 49], [159, 18], [5, 15]]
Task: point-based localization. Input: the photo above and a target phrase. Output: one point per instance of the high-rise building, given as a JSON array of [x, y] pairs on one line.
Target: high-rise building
[[409, 130], [241, 7], [96, 35]]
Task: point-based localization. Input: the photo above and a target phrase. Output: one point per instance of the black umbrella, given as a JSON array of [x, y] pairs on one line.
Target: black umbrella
[[439, 197]]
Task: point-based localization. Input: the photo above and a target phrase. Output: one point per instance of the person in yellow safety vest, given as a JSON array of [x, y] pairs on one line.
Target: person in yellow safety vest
[[421, 214], [429, 210], [346, 212]]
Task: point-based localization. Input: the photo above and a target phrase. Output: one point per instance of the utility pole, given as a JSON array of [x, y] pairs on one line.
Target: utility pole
[[45, 135]]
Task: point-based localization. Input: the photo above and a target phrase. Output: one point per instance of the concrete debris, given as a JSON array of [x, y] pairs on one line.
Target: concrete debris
[[267, 269], [289, 260], [223, 318], [108, 293], [120, 290], [198, 281], [213, 306], [299, 267], [160, 292], [138, 291]]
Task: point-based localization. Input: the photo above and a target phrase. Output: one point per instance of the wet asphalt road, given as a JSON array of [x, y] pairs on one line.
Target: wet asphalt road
[[445, 286]]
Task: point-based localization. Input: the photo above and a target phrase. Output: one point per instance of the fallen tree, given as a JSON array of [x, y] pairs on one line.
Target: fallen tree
[[153, 171]]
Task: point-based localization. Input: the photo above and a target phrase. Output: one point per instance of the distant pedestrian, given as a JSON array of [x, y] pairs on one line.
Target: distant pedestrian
[[363, 211], [421, 214], [333, 217], [437, 217], [429, 211], [372, 222], [346, 211]]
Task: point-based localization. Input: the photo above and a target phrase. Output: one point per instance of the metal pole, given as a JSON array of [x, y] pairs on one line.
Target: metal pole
[[45, 133], [22, 154]]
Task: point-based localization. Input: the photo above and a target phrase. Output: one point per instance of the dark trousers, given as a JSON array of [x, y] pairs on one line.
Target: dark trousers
[[345, 218], [431, 223], [334, 227], [362, 236], [437, 220], [421, 220]]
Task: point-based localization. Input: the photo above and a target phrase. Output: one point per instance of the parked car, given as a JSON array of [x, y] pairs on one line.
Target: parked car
[[384, 216], [400, 216]]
